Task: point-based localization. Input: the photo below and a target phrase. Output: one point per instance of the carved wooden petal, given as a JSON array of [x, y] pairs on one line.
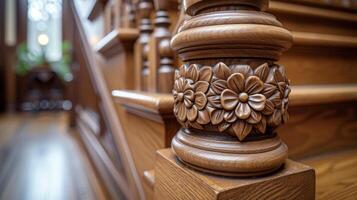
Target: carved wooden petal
[[275, 119], [246, 70], [269, 108], [215, 101], [275, 99], [257, 101], [269, 90], [229, 99], [223, 126], [189, 94], [200, 100], [221, 71], [217, 116], [262, 71], [236, 82], [188, 103], [230, 116], [218, 86], [278, 77], [203, 117], [179, 84], [181, 112], [255, 117], [261, 126], [241, 129], [192, 113], [201, 86], [253, 85], [205, 74], [243, 110], [192, 72]]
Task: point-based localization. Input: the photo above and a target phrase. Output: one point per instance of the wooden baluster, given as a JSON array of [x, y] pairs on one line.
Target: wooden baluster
[[131, 14], [142, 47], [161, 55], [229, 95]]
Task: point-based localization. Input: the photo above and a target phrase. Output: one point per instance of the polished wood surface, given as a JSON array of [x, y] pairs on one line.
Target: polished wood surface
[[320, 66], [336, 175], [40, 158], [175, 180]]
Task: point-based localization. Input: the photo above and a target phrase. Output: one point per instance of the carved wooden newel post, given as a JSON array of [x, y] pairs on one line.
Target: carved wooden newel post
[[229, 95]]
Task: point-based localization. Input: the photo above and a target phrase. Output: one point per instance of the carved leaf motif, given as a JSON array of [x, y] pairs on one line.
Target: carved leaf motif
[[275, 119], [230, 116], [241, 129], [254, 118], [262, 71], [192, 113], [269, 108], [245, 70], [201, 86], [281, 87], [253, 85], [215, 101], [243, 111], [223, 126], [203, 117], [236, 82], [205, 74], [257, 101], [217, 116], [192, 72], [278, 77], [200, 100], [218, 86], [269, 90], [261, 126], [194, 125], [221, 71], [275, 99], [229, 99], [181, 112]]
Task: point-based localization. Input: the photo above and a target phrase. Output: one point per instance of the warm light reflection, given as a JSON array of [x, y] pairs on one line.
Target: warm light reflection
[[43, 39]]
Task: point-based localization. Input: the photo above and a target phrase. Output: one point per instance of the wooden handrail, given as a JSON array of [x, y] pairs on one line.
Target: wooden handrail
[[108, 109]]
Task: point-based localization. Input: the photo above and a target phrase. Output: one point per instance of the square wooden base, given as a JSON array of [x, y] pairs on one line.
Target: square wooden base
[[174, 180]]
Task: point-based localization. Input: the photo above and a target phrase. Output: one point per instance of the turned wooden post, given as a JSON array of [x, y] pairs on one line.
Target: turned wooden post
[[142, 47], [230, 95], [161, 55]]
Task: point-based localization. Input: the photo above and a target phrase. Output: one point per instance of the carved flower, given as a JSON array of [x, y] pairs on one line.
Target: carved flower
[[243, 96], [189, 93], [279, 95]]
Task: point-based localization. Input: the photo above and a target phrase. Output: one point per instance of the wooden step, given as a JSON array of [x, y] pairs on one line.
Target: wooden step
[[336, 175]]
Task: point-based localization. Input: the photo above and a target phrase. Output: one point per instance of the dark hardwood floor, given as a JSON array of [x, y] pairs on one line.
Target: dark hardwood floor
[[41, 159]]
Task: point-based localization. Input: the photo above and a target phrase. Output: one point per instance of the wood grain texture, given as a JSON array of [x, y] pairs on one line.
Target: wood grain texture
[[177, 181], [336, 175], [116, 41]]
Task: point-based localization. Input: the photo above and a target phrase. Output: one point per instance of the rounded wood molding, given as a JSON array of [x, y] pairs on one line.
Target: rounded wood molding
[[229, 95], [223, 155]]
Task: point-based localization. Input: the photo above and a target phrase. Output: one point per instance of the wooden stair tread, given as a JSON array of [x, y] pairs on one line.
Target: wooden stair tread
[[336, 175]]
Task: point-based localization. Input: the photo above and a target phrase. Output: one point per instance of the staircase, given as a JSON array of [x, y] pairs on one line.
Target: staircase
[[125, 107]]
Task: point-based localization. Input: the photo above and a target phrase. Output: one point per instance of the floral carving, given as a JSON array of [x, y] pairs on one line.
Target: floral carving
[[234, 99]]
